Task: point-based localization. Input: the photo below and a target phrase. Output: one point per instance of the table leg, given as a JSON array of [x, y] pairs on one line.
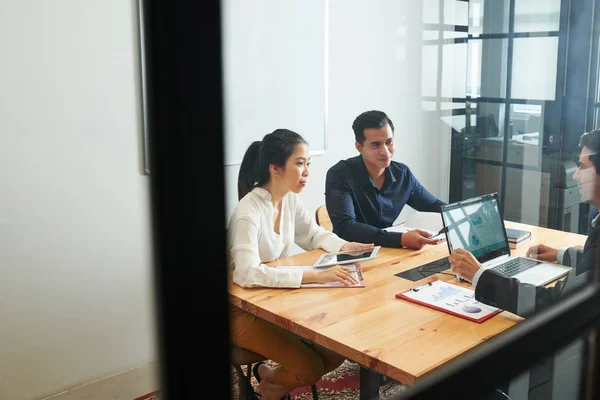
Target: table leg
[[369, 384]]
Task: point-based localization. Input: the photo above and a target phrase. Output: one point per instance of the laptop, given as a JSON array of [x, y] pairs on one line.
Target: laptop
[[477, 226]]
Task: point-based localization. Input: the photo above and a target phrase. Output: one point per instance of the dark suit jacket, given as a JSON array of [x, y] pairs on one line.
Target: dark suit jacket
[[525, 299]]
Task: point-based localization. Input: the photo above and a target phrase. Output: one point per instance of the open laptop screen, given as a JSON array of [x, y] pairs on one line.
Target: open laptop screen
[[476, 225]]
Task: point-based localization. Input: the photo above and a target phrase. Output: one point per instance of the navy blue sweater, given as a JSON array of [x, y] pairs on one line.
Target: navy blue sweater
[[359, 211]]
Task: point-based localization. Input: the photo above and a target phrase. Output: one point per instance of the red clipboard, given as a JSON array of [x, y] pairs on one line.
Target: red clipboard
[[448, 297]]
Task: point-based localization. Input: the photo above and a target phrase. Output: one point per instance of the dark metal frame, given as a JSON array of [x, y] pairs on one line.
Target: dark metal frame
[[187, 198], [506, 100], [184, 106], [142, 21], [593, 114]]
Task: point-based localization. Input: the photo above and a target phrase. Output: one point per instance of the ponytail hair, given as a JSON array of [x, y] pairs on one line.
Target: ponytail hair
[[275, 148], [248, 175]]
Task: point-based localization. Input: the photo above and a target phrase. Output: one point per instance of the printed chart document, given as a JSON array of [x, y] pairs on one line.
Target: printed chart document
[[356, 273], [427, 221], [450, 298]]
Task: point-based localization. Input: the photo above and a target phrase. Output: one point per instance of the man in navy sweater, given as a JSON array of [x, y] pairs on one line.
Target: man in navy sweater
[[366, 193]]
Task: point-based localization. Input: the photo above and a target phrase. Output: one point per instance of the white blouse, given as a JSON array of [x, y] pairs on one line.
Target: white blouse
[[252, 240]]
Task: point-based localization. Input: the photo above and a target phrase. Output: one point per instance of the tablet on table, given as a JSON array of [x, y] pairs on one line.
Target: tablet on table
[[345, 257]]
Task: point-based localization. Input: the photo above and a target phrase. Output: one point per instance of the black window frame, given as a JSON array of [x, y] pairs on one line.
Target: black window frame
[[186, 124]]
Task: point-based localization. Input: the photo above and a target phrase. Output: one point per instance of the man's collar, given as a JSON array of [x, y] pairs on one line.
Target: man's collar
[[365, 179], [595, 221], [363, 173]]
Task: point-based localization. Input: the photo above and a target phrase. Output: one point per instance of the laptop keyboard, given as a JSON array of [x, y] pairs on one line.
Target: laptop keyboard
[[515, 266]]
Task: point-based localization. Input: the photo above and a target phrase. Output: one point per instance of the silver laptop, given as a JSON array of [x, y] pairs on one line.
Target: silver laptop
[[477, 226]]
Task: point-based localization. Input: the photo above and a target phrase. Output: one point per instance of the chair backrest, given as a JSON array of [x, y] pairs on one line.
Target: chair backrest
[[322, 217]]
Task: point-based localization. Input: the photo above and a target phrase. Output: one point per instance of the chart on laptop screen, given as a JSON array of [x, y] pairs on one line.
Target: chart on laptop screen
[[475, 227]]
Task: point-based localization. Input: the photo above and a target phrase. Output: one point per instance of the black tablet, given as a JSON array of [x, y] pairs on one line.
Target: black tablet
[[346, 257]]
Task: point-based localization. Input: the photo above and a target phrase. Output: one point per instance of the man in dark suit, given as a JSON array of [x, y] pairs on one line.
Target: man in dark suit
[[551, 377], [509, 293]]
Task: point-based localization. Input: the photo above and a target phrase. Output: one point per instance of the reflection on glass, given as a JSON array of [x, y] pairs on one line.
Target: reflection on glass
[[527, 121], [430, 11], [534, 68], [459, 123], [488, 16], [488, 55], [559, 375], [489, 119], [472, 126], [474, 69], [527, 187], [456, 12], [454, 70], [427, 105], [455, 35], [527, 194], [537, 15], [446, 105], [429, 69], [431, 35]]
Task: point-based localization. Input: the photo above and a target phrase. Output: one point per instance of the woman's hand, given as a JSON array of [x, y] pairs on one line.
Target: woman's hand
[[337, 273], [464, 264], [358, 247]]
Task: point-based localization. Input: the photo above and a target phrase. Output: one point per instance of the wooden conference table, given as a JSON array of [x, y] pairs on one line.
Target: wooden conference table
[[370, 325]]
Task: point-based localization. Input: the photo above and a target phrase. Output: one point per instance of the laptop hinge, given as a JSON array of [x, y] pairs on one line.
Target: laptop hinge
[[496, 260]]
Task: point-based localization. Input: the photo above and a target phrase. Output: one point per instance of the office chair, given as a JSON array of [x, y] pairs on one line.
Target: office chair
[[322, 217], [533, 123], [245, 357]]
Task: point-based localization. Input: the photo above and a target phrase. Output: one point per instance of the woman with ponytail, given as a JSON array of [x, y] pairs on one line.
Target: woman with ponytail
[[267, 221]]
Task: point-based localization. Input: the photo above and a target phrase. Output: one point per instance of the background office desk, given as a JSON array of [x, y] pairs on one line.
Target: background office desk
[[370, 325]]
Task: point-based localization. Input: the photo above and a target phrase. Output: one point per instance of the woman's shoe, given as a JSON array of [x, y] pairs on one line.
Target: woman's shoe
[[255, 370], [257, 376]]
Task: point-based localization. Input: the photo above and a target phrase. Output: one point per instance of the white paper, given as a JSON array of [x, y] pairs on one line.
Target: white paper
[[427, 221], [402, 228], [453, 298]]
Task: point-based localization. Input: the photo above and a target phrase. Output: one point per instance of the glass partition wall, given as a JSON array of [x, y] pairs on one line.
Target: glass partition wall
[[500, 81], [516, 83], [468, 41]]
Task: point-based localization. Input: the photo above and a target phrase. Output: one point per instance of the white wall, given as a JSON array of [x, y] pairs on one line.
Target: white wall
[[75, 287], [375, 62]]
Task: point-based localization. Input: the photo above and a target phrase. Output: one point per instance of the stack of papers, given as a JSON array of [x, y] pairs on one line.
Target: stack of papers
[[427, 221]]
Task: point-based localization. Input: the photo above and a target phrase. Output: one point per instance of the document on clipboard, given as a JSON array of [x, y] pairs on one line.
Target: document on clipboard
[[355, 271], [450, 298]]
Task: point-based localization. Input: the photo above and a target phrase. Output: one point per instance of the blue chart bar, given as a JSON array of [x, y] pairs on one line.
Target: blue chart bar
[[445, 292]]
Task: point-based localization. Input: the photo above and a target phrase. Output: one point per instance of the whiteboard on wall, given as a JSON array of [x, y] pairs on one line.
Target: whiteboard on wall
[[275, 71]]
